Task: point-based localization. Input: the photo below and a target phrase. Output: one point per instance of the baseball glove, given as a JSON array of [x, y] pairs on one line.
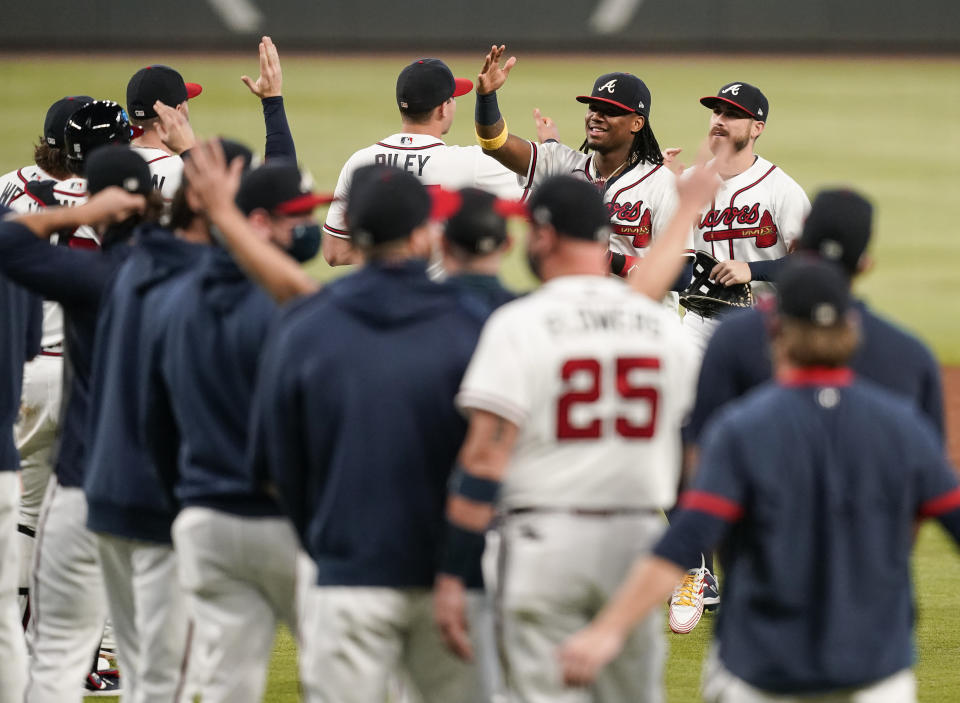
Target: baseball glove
[[708, 298]]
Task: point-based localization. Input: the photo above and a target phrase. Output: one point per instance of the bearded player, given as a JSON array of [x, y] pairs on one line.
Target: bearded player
[[620, 155], [758, 213]]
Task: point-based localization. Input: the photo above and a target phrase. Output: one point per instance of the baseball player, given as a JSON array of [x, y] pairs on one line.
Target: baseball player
[[838, 228], [475, 241], [237, 553], [66, 583], [619, 155], [370, 513], [757, 216], [570, 389], [20, 315], [426, 92], [36, 427], [145, 88], [810, 510]]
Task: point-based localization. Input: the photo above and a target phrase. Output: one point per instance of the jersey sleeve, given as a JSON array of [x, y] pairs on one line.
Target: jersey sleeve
[[495, 380], [336, 222], [793, 206], [492, 176], [938, 487], [551, 159]]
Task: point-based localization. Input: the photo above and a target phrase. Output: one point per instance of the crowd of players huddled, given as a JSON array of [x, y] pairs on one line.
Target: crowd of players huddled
[[448, 491]]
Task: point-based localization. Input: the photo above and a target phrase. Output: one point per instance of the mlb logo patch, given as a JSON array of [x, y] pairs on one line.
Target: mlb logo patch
[[406, 140]]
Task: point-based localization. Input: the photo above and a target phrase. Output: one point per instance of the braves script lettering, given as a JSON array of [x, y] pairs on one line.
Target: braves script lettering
[[765, 232]]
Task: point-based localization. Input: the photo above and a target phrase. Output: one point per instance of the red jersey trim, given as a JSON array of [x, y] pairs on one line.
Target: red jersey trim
[[633, 185], [941, 504], [734, 196], [409, 148], [533, 166], [816, 376], [159, 158], [20, 176], [711, 504]]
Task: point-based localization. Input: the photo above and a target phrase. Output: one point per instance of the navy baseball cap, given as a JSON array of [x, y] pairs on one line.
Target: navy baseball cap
[[57, 116], [838, 228], [742, 95], [118, 165], [476, 222], [157, 82], [812, 290], [624, 90], [279, 188], [573, 207], [385, 204], [426, 83]]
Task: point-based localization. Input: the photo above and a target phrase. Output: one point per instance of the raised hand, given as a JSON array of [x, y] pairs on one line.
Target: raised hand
[[492, 75], [670, 160], [546, 127], [174, 128], [269, 84]]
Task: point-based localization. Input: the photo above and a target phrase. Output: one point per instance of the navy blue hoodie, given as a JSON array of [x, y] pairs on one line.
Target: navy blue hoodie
[[738, 359], [76, 279], [355, 420], [20, 314], [123, 492], [205, 365]]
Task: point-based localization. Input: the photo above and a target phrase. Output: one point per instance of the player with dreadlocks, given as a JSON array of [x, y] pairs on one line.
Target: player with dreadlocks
[[620, 155]]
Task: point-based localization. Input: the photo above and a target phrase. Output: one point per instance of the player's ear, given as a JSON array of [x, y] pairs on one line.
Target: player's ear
[[260, 222], [865, 264], [757, 129], [638, 122]]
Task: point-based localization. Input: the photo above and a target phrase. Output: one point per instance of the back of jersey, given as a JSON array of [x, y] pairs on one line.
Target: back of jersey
[[598, 380]]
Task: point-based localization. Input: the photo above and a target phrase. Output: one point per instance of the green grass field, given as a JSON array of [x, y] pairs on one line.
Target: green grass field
[[886, 126]]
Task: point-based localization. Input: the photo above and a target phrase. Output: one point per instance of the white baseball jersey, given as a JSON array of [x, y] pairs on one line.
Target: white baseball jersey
[[641, 200], [166, 169], [12, 184], [429, 159], [755, 216], [598, 380]]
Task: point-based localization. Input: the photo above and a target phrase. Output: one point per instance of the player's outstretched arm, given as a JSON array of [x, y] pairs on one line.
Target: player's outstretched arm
[[470, 507], [655, 274], [110, 205], [215, 184], [492, 134], [650, 583], [269, 88]]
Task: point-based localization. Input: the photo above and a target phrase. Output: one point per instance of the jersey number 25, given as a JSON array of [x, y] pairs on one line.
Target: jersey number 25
[[593, 371]]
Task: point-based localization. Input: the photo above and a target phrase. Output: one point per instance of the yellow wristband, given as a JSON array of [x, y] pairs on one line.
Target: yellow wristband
[[496, 142]]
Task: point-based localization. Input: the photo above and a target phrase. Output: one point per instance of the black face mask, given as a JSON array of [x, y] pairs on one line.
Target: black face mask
[[304, 242]]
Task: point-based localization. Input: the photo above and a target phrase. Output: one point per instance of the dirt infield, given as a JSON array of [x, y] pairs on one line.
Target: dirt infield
[[951, 402]]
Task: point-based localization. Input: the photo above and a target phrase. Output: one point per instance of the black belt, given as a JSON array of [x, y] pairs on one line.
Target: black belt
[[585, 512]]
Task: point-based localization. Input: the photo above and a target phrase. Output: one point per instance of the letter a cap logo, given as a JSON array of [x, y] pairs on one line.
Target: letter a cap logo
[[741, 95], [624, 90]]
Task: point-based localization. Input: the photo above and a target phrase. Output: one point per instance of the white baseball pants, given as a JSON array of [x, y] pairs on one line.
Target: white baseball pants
[[556, 571], [354, 639], [722, 686], [149, 615], [69, 605], [34, 435], [13, 652], [240, 577], [699, 330]]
